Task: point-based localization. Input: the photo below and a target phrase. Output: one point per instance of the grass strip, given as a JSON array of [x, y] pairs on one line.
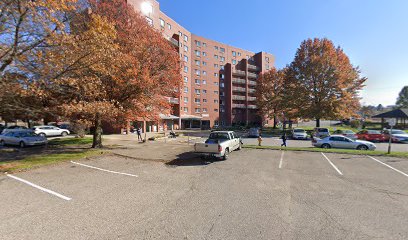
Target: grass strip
[[47, 159], [345, 151]]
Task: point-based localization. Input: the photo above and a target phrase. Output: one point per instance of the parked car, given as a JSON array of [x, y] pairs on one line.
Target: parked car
[[397, 135], [254, 132], [339, 141], [22, 138], [321, 132], [346, 133], [299, 133], [47, 131], [219, 144], [13, 128], [371, 135]]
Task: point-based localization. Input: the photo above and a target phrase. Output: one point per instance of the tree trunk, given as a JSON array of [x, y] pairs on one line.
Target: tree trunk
[[274, 121], [97, 136], [317, 122]]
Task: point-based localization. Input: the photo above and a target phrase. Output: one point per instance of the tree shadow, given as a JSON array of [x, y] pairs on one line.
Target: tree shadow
[[15, 153], [189, 159]]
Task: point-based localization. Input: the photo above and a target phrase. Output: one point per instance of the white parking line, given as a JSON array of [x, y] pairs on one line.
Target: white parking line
[[39, 187], [334, 166], [406, 175], [281, 159], [104, 170]]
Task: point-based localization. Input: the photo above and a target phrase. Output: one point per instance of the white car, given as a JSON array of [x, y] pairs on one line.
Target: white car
[[299, 133], [49, 131]]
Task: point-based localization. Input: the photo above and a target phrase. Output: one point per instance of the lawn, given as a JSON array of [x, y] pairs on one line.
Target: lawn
[[70, 141], [46, 159], [346, 151]]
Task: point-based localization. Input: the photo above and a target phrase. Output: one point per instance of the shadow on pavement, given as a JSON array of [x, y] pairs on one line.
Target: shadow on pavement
[[190, 159]]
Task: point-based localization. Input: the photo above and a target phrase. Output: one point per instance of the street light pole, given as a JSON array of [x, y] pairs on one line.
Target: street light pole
[[390, 140]]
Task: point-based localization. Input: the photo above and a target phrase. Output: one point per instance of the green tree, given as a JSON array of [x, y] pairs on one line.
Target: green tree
[[402, 100], [323, 83]]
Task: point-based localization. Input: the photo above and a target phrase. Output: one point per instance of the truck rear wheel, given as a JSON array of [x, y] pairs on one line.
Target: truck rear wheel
[[225, 157]]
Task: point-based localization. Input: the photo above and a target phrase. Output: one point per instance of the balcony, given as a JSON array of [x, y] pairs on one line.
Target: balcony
[[238, 106], [251, 98], [238, 89], [173, 100], [174, 42], [253, 67], [252, 107], [252, 83], [251, 90], [238, 80], [238, 73], [253, 75], [236, 97]]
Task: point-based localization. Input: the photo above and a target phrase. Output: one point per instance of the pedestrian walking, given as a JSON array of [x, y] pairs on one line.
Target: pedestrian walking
[[259, 140], [139, 135], [283, 139]]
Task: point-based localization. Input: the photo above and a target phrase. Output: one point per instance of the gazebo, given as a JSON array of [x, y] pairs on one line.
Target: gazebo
[[400, 115]]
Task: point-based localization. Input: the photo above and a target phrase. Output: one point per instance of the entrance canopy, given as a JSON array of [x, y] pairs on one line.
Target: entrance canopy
[[168, 117], [190, 117]]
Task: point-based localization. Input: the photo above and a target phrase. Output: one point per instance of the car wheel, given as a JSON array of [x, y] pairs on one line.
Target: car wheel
[[64, 134], [42, 134], [326, 146], [362, 147], [239, 147], [22, 144], [225, 157], [2, 143]]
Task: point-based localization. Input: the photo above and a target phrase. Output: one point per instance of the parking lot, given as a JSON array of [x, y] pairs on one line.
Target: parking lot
[[256, 194]]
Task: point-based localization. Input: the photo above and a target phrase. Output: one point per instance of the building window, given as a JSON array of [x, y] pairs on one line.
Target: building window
[[222, 84], [222, 94], [216, 92], [197, 91], [215, 74], [216, 101], [149, 21], [267, 59], [204, 44], [197, 53], [221, 102], [216, 65], [197, 110], [180, 34], [197, 81], [216, 123], [162, 23], [222, 67], [204, 82], [204, 63], [186, 89], [204, 109], [185, 58], [234, 53], [216, 48], [185, 69], [222, 50], [222, 59], [185, 38], [239, 54], [204, 91], [222, 110], [215, 109], [197, 100], [168, 26], [186, 99], [198, 72], [204, 73], [198, 43], [185, 48], [216, 83], [186, 79], [234, 61], [204, 54], [204, 100], [216, 56], [197, 62], [247, 56], [185, 109]]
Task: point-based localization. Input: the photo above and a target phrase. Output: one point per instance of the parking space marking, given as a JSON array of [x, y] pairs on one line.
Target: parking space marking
[[281, 159], [401, 172], [104, 170], [39, 187], [334, 166]]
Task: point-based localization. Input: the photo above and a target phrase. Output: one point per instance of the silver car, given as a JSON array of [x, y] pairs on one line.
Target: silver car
[[299, 133], [339, 141], [22, 139]]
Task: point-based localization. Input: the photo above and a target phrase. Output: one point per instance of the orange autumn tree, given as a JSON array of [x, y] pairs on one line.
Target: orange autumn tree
[[271, 96], [322, 82]]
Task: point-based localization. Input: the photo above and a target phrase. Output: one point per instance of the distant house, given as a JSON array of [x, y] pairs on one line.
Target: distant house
[[400, 115]]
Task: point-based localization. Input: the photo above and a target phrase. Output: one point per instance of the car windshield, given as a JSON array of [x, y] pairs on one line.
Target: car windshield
[[323, 130], [219, 136], [27, 134], [298, 130], [348, 131], [374, 132], [398, 132]]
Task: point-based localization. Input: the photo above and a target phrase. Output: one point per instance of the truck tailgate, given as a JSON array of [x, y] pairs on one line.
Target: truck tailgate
[[206, 147]]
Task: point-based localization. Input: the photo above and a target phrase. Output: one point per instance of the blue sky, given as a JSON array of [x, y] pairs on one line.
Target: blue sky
[[373, 33]]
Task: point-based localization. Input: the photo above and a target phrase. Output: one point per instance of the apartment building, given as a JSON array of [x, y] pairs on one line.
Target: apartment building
[[219, 80]]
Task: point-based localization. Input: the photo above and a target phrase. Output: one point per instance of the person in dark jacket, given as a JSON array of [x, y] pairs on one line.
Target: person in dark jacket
[[139, 135], [283, 139]]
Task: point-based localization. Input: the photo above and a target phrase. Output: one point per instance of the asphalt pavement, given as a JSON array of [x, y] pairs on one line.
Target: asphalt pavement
[[255, 194]]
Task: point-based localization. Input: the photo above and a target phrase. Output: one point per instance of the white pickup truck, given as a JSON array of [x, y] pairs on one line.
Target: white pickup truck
[[219, 144]]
